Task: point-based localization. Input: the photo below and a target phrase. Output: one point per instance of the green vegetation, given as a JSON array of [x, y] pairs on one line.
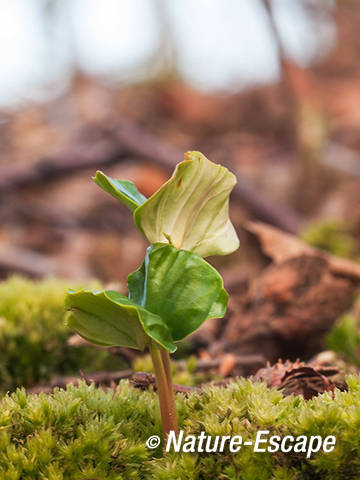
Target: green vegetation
[[33, 335], [344, 338], [85, 432], [175, 290], [332, 236]]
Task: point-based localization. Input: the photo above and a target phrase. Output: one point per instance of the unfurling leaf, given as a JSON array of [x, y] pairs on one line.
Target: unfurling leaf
[[180, 287], [111, 319], [190, 211], [123, 190]]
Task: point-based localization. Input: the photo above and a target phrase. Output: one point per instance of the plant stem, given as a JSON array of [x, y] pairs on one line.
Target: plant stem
[[165, 356], [165, 388]]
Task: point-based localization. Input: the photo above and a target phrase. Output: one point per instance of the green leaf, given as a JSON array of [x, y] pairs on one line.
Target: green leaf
[[190, 211], [180, 287], [111, 319], [123, 190], [218, 308]]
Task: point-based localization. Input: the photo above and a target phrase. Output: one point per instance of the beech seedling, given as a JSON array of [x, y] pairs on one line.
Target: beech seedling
[[175, 290]]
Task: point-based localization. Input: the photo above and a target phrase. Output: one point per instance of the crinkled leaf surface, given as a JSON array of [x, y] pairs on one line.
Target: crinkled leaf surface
[[123, 190], [111, 319], [180, 287], [190, 211]]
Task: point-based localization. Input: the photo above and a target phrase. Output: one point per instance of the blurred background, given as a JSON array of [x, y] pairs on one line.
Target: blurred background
[[209, 45], [269, 88]]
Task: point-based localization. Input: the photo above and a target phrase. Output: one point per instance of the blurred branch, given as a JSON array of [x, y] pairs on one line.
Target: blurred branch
[[99, 378], [141, 380], [145, 380], [167, 44], [85, 156], [123, 140], [201, 364], [275, 32], [261, 205], [238, 361], [306, 116], [21, 260]]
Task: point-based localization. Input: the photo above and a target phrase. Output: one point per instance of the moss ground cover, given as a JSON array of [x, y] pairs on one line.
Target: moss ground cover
[[33, 335], [85, 432]]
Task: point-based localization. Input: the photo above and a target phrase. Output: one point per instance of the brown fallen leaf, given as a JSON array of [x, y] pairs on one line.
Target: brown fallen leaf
[[281, 246]]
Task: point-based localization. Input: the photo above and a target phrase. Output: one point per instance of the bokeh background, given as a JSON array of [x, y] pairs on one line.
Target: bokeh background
[[269, 88], [211, 45]]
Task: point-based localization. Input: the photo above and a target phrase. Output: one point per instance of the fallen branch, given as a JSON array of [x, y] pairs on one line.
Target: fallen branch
[[224, 364], [99, 378], [108, 378], [251, 360]]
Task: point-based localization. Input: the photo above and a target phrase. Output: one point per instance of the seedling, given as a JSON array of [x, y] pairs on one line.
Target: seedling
[[175, 290]]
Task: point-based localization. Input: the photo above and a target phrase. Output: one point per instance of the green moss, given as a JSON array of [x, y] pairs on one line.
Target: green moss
[[332, 236], [85, 432], [344, 338], [33, 335]]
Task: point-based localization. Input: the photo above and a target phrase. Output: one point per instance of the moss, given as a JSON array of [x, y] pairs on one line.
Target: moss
[[85, 432], [332, 236], [33, 335], [344, 338]]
